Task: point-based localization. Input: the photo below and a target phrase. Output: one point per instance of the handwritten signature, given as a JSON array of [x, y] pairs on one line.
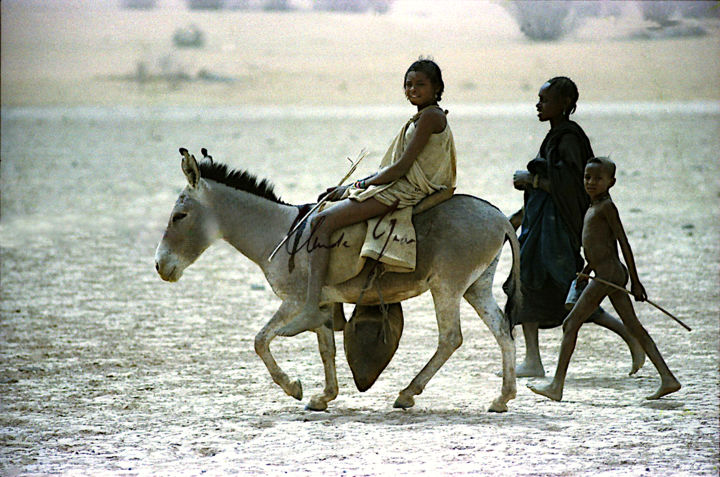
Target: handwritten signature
[[313, 243]]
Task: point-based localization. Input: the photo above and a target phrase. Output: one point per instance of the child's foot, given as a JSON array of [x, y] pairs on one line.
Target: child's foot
[[638, 357], [669, 385], [549, 391], [308, 319]]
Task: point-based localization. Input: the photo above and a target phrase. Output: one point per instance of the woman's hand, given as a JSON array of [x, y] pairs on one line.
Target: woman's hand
[[638, 291], [522, 180]]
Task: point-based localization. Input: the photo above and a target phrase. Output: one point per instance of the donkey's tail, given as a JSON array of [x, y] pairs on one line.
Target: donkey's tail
[[511, 287]]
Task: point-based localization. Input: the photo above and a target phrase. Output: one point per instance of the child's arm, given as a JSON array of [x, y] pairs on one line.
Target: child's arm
[[430, 122], [613, 218]]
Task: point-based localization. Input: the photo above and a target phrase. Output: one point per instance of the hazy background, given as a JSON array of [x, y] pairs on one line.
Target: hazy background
[[97, 52]]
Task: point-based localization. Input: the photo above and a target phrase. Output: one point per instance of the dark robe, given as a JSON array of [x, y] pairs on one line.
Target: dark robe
[[550, 238]]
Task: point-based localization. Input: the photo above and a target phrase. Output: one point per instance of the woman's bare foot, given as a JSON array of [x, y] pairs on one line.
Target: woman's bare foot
[[526, 370], [551, 391], [533, 369], [668, 385]]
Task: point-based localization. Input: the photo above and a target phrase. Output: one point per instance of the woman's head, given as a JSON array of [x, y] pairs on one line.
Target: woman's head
[[432, 73], [566, 90], [557, 100]]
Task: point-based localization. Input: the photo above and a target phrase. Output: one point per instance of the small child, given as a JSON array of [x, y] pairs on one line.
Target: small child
[[602, 230]]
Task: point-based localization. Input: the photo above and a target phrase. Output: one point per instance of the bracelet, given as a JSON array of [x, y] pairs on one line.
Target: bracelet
[[360, 184], [536, 181]]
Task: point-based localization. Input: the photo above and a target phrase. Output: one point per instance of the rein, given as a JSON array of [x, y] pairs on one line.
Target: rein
[[303, 211]]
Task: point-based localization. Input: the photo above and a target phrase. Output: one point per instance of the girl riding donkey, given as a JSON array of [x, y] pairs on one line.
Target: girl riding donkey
[[420, 161]]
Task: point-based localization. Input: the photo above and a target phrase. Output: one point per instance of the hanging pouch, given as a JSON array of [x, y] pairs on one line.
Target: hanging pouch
[[371, 338]]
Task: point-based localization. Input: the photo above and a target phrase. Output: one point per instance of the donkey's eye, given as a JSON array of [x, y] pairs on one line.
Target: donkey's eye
[[178, 217]]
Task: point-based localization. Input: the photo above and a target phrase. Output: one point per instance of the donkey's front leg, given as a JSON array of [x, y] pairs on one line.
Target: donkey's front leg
[[326, 344], [447, 311], [262, 348]]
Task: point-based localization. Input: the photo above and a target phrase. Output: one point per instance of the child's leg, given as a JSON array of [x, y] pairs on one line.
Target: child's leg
[[585, 306], [622, 304], [344, 213], [606, 320]]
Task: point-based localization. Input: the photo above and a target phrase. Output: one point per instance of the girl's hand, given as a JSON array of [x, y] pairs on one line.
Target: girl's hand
[[522, 180], [638, 291], [332, 193]]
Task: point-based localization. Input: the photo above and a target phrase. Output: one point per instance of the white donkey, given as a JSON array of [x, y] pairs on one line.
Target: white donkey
[[458, 247]]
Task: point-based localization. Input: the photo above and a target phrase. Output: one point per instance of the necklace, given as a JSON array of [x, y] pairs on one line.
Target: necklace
[[600, 198]]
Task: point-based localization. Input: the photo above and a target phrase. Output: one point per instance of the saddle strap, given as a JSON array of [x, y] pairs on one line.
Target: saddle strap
[[373, 278]]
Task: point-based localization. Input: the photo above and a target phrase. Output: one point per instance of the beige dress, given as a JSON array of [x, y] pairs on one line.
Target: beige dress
[[391, 238], [433, 170]]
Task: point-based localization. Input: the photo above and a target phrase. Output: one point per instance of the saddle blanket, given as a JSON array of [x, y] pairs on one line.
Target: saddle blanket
[[389, 239]]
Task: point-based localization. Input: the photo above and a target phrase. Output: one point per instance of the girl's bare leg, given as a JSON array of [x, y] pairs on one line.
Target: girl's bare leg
[[344, 213], [585, 306], [668, 383]]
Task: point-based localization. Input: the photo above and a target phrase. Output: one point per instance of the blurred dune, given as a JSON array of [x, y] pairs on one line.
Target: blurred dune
[[93, 53]]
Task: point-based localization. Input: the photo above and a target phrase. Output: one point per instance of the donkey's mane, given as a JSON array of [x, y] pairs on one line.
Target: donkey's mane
[[238, 179]]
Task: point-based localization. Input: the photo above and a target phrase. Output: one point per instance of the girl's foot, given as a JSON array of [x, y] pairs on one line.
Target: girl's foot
[[551, 391], [307, 320], [669, 385]]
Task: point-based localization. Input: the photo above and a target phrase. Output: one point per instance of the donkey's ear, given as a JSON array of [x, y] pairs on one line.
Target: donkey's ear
[[190, 168]]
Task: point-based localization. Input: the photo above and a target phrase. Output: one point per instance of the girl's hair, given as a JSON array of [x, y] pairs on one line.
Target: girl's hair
[[432, 71], [566, 88]]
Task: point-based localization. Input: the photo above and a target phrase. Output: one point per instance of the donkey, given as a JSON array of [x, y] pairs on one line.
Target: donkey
[[458, 247]]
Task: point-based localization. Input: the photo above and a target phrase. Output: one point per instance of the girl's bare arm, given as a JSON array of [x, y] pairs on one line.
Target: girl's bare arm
[[429, 123], [613, 219]]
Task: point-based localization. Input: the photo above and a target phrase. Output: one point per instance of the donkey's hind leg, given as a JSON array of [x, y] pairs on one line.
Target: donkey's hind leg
[[326, 344], [480, 296], [447, 312], [262, 348]]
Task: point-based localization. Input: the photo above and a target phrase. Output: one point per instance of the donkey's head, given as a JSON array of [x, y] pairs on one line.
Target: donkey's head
[[192, 227]]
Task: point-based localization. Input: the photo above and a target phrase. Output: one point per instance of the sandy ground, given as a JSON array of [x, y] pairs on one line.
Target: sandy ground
[[108, 370]]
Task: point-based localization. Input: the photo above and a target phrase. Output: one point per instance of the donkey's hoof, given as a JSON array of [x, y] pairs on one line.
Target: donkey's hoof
[[404, 402], [295, 390], [316, 404], [498, 406]]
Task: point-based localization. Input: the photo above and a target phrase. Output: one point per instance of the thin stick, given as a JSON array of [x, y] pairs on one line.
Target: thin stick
[[610, 284], [361, 156]]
